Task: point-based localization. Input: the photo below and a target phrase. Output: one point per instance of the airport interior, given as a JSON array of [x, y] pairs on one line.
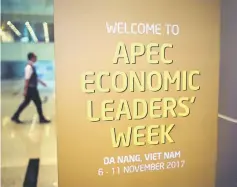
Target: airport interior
[[21, 143], [28, 25]]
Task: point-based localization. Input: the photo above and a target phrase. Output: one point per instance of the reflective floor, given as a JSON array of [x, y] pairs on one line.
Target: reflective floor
[[20, 143]]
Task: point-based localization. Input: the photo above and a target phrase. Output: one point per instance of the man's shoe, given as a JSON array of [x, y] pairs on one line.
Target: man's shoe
[[44, 121], [16, 120]]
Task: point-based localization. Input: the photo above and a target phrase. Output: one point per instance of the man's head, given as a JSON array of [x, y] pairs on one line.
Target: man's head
[[32, 57]]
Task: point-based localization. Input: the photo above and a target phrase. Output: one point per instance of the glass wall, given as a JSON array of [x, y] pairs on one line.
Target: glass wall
[[27, 26]]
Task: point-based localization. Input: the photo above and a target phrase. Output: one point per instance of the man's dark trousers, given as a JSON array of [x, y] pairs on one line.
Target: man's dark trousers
[[31, 95]]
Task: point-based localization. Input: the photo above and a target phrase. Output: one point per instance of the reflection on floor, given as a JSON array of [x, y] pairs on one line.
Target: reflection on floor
[[31, 140]]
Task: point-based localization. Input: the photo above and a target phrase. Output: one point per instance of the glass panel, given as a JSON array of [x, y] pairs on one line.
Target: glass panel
[[27, 26]]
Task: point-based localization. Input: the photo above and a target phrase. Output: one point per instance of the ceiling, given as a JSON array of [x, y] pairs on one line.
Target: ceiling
[[29, 7]]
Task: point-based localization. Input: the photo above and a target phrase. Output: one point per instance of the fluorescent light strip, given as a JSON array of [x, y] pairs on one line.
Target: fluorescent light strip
[[15, 30], [31, 31], [46, 32]]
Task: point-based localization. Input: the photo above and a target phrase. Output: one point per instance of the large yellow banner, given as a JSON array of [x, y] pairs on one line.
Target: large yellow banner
[[136, 92]]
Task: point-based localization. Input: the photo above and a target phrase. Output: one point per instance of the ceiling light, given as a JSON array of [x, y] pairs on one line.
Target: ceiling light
[[31, 31], [46, 32], [14, 29]]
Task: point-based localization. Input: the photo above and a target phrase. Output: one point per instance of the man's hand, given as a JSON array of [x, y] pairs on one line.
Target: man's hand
[[42, 83]]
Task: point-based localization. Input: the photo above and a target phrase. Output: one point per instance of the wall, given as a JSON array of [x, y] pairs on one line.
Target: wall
[[227, 154], [19, 51]]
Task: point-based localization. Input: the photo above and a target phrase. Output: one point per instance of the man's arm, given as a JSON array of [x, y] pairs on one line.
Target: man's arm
[[28, 73], [26, 86]]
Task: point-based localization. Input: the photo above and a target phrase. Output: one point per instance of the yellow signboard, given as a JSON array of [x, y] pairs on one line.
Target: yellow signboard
[[136, 92]]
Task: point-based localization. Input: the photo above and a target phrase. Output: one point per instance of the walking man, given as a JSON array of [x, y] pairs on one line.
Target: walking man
[[31, 91]]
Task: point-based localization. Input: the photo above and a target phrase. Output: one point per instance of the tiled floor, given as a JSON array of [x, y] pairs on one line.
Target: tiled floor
[[23, 142], [48, 176], [13, 176]]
